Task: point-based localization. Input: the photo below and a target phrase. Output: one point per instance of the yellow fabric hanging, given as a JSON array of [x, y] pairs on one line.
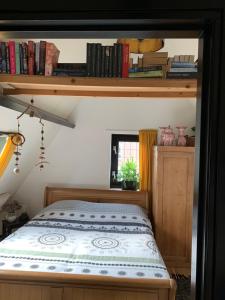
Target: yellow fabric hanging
[[6, 155], [147, 139]]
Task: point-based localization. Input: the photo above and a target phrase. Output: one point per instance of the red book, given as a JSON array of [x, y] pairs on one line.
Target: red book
[[30, 57], [51, 58], [12, 57], [125, 60]]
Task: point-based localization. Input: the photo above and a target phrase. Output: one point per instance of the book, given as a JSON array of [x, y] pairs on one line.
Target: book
[[149, 68], [115, 60], [98, 60], [184, 70], [106, 68], [21, 58], [12, 57], [181, 75], [182, 65], [153, 74], [25, 57], [42, 58], [71, 66], [3, 54], [37, 58], [119, 60], [155, 54], [7, 59], [0, 57], [88, 59], [69, 73], [103, 62], [148, 60], [30, 57], [93, 59], [17, 50], [125, 60], [51, 58], [111, 61]]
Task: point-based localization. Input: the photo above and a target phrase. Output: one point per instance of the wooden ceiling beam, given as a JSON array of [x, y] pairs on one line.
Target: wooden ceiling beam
[[20, 106]]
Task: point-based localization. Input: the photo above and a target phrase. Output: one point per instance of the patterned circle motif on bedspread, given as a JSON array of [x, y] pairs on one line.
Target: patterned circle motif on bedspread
[[52, 239], [105, 243]]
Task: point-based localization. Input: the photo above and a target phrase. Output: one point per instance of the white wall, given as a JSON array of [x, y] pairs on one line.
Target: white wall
[[81, 157]]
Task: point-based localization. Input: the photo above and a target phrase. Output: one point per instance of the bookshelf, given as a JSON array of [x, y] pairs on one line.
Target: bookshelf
[[97, 87]]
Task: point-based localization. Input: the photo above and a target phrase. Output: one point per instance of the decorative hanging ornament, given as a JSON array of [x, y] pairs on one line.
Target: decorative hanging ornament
[[42, 160], [18, 140]]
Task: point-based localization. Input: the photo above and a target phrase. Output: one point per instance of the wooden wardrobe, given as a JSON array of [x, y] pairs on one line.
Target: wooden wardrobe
[[173, 181]]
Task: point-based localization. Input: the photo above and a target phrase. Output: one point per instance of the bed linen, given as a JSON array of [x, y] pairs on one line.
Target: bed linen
[[79, 237]]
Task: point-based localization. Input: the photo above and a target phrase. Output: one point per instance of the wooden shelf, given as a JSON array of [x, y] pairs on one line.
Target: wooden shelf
[[97, 87]]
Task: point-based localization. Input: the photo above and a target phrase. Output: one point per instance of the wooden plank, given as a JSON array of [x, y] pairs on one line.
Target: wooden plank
[[101, 87], [20, 106], [127, 94]]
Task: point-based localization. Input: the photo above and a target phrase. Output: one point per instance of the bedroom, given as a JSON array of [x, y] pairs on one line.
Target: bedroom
[[80, 157]]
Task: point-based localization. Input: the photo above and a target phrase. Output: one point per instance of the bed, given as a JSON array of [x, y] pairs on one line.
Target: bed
[[85, 245]]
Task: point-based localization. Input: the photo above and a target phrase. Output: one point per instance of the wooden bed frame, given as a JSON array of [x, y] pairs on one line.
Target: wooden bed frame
[[25, 285]]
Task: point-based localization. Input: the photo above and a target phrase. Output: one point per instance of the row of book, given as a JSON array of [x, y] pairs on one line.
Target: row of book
[[28, 58], [107, 61], [150, 64], [182, 66]]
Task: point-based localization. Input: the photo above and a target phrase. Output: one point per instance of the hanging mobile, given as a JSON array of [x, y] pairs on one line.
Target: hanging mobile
[[18, 140], [42, 158]]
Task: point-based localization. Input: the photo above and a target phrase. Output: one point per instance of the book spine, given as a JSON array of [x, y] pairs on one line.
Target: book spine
[[98, 60], [181, 75], [103, 62], [88, 59], [3, 53], [93, 60], [21, 58], [154, 74], [12, 57], [42, 57], [145, 69], [125, 61], [106, 72], [17, 49], [182, 65], [0, 57], [120, 62], [7, 58], [184, 70], [115, 63], [49, 59], [25, 57], [110, 73], [30, 57], [37, 58]]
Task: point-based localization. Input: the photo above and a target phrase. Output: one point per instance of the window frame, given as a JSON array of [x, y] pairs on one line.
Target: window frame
[[115, 139]]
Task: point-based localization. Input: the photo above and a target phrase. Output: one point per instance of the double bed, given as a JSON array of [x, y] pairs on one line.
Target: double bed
[[85, 245]]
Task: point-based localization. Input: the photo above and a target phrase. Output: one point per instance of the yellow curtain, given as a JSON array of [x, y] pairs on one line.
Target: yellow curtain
[[147, 139], [6, 155]]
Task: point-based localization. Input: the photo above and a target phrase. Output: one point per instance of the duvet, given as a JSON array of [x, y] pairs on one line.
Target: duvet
[[79, 237]]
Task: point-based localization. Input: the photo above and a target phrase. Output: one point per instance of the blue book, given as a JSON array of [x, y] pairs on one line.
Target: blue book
[[181, 64]]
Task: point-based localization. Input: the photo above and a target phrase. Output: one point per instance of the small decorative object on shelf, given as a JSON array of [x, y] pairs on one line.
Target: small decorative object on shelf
[[169, 137], [162, 136], [181, 141]]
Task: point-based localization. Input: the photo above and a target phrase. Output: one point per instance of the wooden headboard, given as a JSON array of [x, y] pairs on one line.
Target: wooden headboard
[[53, 194]]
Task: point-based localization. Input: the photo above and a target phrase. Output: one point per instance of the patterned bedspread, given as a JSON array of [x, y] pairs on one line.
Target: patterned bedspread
[[86, 238]]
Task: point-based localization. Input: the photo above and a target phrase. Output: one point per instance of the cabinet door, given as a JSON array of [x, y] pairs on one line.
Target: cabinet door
[[174, 206]]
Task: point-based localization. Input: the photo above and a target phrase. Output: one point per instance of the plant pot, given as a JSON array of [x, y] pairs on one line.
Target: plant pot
[[129, 185]]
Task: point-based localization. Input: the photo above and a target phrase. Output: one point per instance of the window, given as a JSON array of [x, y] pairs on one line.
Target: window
[[123, 147]]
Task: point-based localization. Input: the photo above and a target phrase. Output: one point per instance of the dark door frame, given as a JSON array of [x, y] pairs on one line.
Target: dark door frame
[[208, 237]]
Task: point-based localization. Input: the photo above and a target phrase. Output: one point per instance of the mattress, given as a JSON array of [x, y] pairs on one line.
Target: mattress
[[79, 237]]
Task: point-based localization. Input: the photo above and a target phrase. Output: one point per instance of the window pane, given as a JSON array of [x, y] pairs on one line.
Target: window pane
[[2, 143], [128, 150]]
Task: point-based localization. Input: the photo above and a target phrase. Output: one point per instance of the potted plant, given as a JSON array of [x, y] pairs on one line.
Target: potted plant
[[128, 175]]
